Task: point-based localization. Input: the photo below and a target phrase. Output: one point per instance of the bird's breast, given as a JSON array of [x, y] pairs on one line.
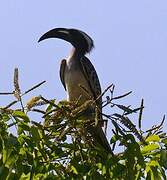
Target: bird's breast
[[76, 84]]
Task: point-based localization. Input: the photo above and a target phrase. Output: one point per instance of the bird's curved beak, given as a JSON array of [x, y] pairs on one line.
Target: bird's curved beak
[[61, 33], [80, 40]]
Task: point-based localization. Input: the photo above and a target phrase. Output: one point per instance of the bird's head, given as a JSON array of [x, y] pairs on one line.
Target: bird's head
[[79, 39]]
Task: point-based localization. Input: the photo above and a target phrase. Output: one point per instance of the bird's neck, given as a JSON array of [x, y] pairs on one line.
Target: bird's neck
[[74, 56]]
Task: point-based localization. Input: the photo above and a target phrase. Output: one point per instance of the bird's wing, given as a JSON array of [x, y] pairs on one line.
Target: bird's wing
[[92, 79], [62, 70], [94, 84]]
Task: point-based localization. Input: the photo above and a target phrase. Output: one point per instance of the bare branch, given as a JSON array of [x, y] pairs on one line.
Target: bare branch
[[6, 93], [140, 113], [118, 97], [34, 87]]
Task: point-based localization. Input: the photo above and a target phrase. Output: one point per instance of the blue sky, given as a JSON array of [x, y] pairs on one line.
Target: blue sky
[[130, 47]]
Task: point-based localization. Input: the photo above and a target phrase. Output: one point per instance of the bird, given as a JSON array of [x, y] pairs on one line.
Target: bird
[[77, 71]]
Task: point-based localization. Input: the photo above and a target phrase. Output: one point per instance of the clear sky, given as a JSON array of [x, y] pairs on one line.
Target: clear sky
[[130, 47]]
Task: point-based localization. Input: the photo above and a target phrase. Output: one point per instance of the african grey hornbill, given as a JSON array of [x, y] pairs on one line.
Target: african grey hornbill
[[77, 71]]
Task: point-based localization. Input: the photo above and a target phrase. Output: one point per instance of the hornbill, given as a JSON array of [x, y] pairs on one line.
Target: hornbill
[[77, 71]]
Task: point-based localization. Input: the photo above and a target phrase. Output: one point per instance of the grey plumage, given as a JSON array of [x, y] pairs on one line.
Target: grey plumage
[[78, 71]]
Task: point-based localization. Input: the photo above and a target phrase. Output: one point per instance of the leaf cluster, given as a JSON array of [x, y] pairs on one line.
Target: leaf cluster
[[59, 147]]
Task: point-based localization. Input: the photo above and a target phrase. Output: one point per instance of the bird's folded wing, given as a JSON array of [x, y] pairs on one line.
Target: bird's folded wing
[[90, 74], [62, 70]]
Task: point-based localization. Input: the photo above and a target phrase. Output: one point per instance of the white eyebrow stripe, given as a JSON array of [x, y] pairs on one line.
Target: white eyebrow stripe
[[64, 31]]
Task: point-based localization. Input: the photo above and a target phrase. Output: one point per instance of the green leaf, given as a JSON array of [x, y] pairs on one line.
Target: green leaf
[[149, 148], [23, 127], [22, 139], [153, 138], [11, 159], [4, 155], [35, 133], [73, 169], [153, 163], [21, 115], [25, 176], [164, 141], [150, 175], [114, 139], [104, 170], [50, 106], [5, 117], [4, 171], [163, 158], [157, 175]]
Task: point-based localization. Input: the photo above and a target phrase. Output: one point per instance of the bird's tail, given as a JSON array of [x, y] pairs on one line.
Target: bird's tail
[[100, 138]]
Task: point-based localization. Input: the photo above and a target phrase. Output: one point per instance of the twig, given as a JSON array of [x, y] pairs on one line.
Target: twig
[[46, 114], [11, 104], [38, 110], [34, 87], [140, 113], [157, 127], [50, 102], [118, 97], [102, 94], [7, 93]]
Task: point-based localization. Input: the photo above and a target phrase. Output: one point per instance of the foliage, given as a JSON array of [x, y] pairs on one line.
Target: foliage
[[52, 148]]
